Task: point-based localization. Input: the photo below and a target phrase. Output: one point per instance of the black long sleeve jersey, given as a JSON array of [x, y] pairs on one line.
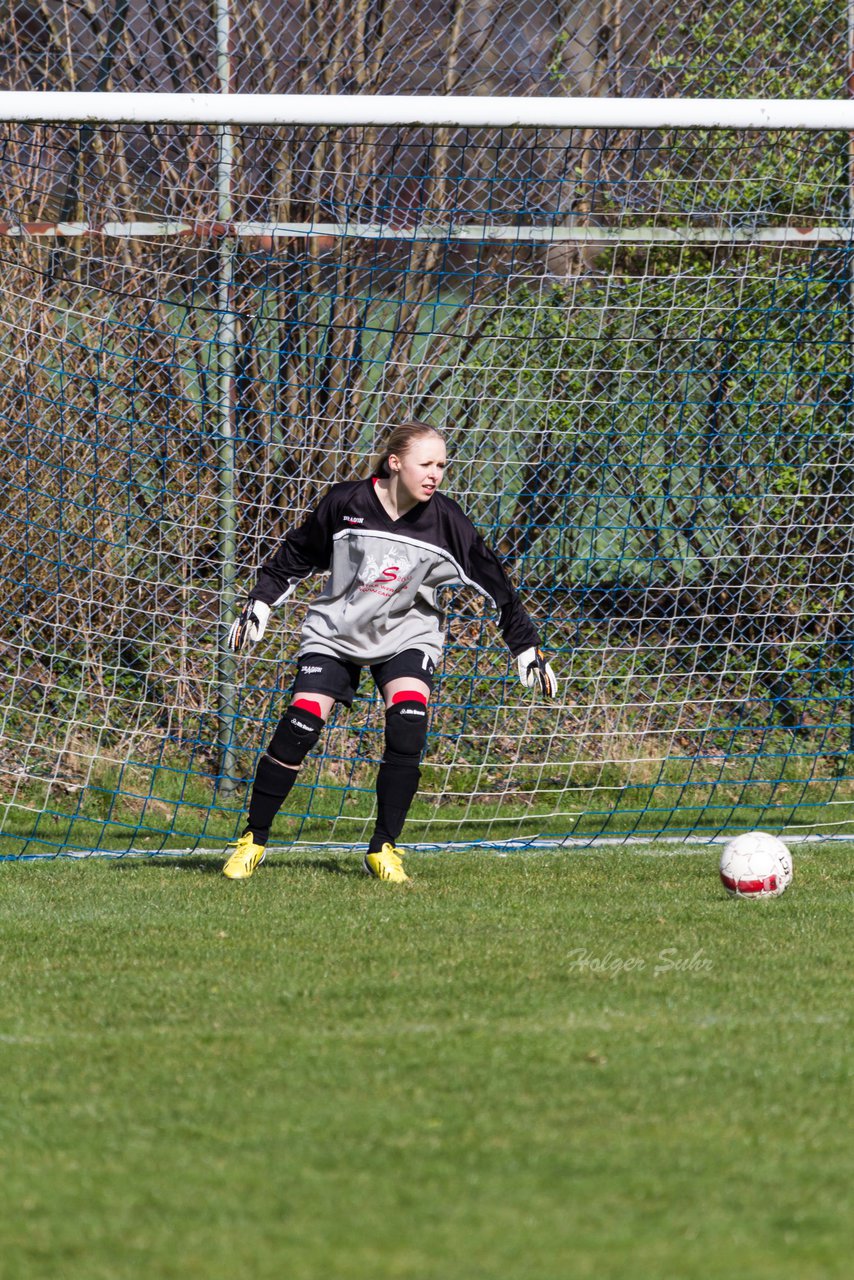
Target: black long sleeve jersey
[[381, 595]]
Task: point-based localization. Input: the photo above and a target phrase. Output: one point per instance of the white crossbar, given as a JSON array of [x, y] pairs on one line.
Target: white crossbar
[[431, 110]]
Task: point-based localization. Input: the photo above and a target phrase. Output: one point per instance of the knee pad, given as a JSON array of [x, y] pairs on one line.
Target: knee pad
[[405, 732], [296, 734]]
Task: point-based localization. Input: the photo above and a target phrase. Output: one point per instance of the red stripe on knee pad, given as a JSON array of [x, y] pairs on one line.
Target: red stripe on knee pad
[[308, 705], [409, 695]]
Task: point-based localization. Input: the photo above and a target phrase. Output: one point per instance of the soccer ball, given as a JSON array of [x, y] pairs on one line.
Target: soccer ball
[[756, 865]]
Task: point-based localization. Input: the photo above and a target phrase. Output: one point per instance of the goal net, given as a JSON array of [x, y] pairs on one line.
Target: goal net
[[633, 321]]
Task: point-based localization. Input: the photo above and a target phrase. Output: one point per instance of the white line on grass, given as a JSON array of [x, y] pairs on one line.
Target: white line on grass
[[643, 845]]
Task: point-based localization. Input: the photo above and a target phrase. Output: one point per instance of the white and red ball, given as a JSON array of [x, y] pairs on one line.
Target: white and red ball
[[756, 865]]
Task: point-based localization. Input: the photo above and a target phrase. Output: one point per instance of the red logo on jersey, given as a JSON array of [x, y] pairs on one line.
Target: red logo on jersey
[[386, 577]]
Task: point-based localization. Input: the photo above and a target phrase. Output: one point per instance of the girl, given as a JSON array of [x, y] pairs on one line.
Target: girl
[[389, 543]]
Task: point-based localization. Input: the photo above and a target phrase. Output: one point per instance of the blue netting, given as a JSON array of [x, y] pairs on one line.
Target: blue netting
[[655, 433]]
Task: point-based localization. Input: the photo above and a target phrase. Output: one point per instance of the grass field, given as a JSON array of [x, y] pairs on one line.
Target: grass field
[[555, 1065]]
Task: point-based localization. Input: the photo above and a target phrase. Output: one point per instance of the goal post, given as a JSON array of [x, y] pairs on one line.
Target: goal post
[[632, 318]]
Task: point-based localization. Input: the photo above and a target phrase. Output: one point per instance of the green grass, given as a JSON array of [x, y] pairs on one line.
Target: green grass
[[547, 1066]]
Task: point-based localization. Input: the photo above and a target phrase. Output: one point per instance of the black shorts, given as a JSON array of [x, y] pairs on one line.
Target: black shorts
[[339, 679]]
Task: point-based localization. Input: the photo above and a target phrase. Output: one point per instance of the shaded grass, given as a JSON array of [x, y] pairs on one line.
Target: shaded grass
[[541, 1065]]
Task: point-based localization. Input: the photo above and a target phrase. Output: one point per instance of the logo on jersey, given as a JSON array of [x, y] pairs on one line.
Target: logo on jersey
[[355, 519], [385, 577]]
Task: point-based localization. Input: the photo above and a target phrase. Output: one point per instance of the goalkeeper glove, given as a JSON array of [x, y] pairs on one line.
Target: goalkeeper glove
[[536, 673], [249, 627]]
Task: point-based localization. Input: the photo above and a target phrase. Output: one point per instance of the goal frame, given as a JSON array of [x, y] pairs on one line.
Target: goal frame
[[224, 111]]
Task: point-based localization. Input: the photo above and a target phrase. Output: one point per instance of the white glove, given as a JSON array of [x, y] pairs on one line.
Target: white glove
[[535, 672], [250, 626]]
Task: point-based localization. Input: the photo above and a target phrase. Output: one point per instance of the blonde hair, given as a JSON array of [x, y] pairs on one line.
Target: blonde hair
[[398, 440]]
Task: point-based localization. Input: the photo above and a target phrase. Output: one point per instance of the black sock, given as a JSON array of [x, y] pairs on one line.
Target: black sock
[[272, 783], [396, 788]]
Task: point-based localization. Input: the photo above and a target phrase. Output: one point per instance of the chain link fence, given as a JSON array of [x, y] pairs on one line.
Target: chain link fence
[[546, 47]]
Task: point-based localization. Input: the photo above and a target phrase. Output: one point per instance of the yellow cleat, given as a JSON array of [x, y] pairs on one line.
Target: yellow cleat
[[386, 865], [246, 857]]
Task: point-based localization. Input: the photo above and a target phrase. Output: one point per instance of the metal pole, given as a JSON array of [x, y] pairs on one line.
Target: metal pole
[[225, 356], [849, 263]]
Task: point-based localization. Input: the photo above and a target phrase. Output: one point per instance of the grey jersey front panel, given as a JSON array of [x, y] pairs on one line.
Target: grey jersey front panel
[[385, 575], [380, 598]]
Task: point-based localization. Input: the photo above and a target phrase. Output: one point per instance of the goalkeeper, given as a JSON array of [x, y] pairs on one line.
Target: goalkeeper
[[389, 544]]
